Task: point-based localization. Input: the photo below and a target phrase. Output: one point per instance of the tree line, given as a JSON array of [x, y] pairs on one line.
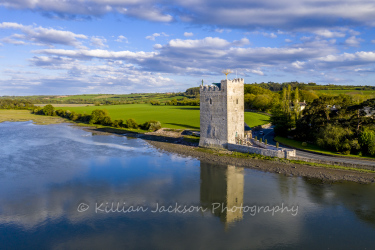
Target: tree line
[[97, 116], [15, 104]]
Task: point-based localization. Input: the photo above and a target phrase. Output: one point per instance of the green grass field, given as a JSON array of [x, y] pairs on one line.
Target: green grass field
[[184, 117], [367, 93], [128, 97]]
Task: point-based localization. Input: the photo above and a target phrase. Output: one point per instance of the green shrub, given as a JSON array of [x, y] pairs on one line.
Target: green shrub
[[98, 116], [74, 116], [154, 126], [118, 123], [131, 123], [155, 102], [151, 125], [37, 110], [335, 138], [48, 110], [277, 144], [106, 121], [367, 141], [67, 114], [304, 144], [60, 112]]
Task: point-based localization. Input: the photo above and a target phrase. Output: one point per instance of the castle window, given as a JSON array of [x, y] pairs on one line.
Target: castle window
[[237, 101], [210, 100]]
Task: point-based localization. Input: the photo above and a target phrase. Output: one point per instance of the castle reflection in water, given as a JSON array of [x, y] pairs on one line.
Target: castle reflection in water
[[224, 185]]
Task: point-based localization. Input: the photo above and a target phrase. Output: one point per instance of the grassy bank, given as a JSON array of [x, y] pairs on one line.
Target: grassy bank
[[25, 115], [179, 117], [314, 148]]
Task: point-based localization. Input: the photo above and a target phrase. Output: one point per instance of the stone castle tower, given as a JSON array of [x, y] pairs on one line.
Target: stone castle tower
[[221, 113]]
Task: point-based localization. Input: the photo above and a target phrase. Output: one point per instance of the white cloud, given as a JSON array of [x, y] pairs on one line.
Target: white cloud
[[150, 13], [222, 30], [373, 41], [208, 42], [153, 36], [329, 34], [158, 46], [188, 34], [121, 39], [98, 42], [98, 53], [241, 42], [270, 35], [288, 40], [43, 36], [207, 56], [256, 71], [361, 56], [298, 64], [251, 14], [204, 56], [353, 41], [12, 41], [354, 32]]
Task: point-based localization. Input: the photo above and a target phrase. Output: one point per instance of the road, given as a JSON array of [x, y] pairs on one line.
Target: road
[[269, 135]]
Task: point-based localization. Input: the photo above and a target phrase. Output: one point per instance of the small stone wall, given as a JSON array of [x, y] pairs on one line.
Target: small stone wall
[[255, 150]]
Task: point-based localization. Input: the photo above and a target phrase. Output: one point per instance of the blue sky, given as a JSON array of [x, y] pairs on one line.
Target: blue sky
[[132, 46]]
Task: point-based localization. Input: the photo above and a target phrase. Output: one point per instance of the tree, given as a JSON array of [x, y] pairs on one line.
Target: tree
[[48, 110], [367, 141], [335, 138], [192, 91], [281, 114], [98, 115], [308, 95], [131, 123], [296, 106]]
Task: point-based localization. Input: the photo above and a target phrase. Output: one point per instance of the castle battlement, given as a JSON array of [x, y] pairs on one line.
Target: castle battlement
[[236, 80], [209, 88]]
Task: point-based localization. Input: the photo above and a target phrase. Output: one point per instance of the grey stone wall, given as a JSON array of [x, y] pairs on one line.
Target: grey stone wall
[[235, 108], [281, 153], [255, 150], [213, 109], [221, 113]]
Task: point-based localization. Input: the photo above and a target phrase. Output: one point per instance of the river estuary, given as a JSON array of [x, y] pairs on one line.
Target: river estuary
[[65, 188]]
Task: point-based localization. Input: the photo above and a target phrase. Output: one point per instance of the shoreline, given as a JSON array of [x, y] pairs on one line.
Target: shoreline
[[175, 144]]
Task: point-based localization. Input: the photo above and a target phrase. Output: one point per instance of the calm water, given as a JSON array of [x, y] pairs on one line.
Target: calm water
[[48, 173]]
